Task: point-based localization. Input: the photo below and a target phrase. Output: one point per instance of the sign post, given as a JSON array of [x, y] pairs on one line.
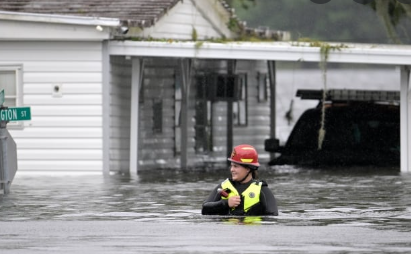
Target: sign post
[[8, 149], [1, 97]]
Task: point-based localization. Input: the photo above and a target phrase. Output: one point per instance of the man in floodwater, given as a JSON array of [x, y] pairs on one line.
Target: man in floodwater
[[242, 194]]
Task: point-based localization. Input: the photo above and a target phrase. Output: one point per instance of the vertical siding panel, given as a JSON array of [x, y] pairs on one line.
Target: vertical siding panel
[[157, 149], [258, 128], [120, 106]]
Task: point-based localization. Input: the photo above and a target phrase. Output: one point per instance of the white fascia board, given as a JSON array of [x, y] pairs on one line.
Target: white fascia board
[[61, 19], [275, 51]]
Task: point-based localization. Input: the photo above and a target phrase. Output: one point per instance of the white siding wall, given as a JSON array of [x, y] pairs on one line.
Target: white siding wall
[[157, 150], [120, 106], [65, 132], [206, 18]]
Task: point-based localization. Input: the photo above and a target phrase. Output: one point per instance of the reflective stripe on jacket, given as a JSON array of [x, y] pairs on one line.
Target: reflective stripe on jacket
[[251, 195]]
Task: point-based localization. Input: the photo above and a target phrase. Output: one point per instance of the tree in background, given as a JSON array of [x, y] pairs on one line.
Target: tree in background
[[336, 20], [391, 12]]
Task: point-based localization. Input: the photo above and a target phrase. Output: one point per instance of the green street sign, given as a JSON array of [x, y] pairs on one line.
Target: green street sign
[[15, 114], [1, 97]]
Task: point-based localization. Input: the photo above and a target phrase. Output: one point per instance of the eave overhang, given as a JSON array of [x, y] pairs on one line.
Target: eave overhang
[[275, 51], [60, 19]]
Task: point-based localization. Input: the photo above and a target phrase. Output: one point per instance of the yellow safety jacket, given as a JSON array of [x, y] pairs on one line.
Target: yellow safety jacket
[[251, 195]]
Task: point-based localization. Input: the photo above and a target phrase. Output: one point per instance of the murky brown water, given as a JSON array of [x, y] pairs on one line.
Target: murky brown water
[[321, 211]]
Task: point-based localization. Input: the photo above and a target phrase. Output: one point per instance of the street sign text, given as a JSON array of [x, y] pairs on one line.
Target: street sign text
[[15, 114]]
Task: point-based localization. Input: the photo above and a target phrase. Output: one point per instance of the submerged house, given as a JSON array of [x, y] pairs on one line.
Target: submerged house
[[95, 108]]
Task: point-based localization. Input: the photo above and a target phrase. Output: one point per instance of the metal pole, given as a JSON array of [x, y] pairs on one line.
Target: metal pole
[[4, 170], [272, 81], [231, 67], [106, 71], [405, 118], [185, 69], [136, 82]]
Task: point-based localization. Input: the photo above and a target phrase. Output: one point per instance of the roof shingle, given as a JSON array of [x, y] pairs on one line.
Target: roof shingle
[[141, 13]]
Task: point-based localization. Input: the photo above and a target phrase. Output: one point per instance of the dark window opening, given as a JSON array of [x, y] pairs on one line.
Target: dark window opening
[[157, 116]]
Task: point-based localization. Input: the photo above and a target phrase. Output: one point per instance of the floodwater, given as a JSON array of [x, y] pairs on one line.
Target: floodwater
[[321, 211]]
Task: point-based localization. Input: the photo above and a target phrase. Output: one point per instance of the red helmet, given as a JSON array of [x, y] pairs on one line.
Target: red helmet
[[245, 154]]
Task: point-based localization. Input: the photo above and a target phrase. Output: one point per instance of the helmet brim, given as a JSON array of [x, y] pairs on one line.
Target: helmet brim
[[240, 163]]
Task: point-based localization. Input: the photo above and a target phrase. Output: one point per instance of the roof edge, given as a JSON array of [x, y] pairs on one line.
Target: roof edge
[[275, 51], [149, 22], [62, 19]]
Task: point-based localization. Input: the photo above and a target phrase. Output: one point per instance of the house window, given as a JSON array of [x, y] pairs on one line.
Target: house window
[[11, 83], [262, 87], [157, 116], [225, 87], [240, 105]]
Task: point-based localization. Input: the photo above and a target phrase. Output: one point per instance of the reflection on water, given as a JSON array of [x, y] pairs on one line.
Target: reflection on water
[[305, 197], [366, 199]]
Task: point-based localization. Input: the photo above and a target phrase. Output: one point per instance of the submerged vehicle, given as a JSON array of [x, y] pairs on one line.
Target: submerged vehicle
[[347, 128]]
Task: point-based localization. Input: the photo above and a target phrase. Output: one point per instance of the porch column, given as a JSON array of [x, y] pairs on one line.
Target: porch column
[[185, 91], [231, 67], [405, 102], [106, 70], [136, 80], [272, 80]]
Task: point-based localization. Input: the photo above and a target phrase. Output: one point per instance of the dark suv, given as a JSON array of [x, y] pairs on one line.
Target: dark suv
[[361, 128]]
